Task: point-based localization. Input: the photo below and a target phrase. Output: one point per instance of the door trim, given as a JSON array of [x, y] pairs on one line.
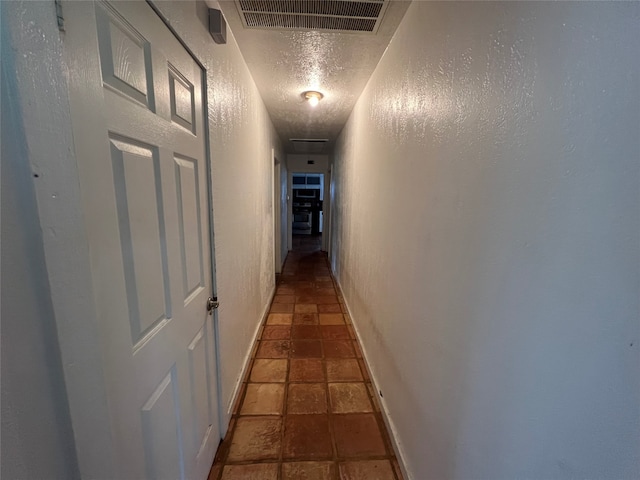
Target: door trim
[[276, 196]]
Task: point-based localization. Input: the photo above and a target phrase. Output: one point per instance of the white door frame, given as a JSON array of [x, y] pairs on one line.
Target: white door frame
[[276, 208]]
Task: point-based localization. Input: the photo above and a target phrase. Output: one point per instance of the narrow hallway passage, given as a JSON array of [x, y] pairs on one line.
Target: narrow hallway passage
[[306, 409]]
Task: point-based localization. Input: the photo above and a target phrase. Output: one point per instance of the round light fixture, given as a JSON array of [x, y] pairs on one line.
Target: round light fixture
[[312, 97]]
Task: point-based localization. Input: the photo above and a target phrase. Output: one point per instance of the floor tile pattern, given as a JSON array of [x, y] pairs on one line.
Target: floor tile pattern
[[307, 409]]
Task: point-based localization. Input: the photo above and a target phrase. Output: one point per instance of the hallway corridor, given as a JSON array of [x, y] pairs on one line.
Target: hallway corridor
[[306, 410]]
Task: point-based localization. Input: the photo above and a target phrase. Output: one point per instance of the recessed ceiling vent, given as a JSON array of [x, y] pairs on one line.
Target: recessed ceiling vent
[[308, 145], [362, 16]]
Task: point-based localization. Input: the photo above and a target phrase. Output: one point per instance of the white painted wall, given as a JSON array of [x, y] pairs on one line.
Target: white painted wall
[[46, 251], [37, 441], [486, 235]]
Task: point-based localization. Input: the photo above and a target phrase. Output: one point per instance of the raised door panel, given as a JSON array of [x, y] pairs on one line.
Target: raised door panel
[[200, 386], [188, 193], [182, 99], [162, 432], [138, 196], [125, 56]]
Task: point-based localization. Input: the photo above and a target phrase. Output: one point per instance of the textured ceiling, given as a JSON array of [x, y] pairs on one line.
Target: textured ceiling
[[286, 63]]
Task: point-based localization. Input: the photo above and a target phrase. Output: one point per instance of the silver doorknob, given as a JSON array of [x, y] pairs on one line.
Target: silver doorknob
[[212, 304]]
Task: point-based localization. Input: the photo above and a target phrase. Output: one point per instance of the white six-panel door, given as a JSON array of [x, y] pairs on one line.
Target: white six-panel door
[[138, 125]]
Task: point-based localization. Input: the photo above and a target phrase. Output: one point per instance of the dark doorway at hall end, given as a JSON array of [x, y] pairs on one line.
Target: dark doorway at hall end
[[307, 211]]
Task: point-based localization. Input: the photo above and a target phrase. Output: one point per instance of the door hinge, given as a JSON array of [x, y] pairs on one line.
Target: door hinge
[[59, 16]]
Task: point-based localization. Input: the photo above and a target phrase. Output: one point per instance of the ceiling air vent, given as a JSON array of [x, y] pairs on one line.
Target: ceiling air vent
[[308, 145], [335, 15]]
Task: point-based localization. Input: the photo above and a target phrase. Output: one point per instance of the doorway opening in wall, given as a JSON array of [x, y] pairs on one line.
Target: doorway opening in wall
[[307, 224]]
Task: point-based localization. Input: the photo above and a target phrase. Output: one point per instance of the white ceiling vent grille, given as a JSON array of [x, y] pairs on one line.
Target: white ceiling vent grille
[[336, 15], [308, 145]]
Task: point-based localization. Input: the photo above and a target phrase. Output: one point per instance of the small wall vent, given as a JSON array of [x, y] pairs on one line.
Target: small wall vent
[[308, 145], [362, 16]]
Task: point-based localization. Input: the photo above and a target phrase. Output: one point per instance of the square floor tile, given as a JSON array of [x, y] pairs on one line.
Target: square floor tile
[[366, 470], [284, 299], [306, 349], [306, 308], [307, 291], [308, 471], [325, 299], [307, 436], [263, 399], [307, 398], [305, 332], [348, 398], [343, 370], [273, 349], [305, 319], [331, 319], [306, 370], [281, 308], [305, 299], [338, 349], [285, 290], [276, 332], [325, 292], [329, 308], [280, 318], [255, 438], [358, 435], [266, 370], [335, 332], [259, 471]]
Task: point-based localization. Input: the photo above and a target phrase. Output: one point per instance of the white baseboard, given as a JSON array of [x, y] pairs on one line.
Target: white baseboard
[[397, 445]]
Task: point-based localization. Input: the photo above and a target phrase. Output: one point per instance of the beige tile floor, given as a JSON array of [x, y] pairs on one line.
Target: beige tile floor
[[307, 409]]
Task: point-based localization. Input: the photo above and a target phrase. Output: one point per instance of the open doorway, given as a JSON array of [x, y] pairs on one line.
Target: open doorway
[[307, 219]]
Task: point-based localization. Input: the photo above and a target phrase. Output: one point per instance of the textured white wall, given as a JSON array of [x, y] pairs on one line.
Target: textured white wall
[[241, 139], [37, 440], [486, 235]]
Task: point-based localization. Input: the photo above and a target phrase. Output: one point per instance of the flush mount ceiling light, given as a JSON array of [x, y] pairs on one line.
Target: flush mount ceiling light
[[312, 97]]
